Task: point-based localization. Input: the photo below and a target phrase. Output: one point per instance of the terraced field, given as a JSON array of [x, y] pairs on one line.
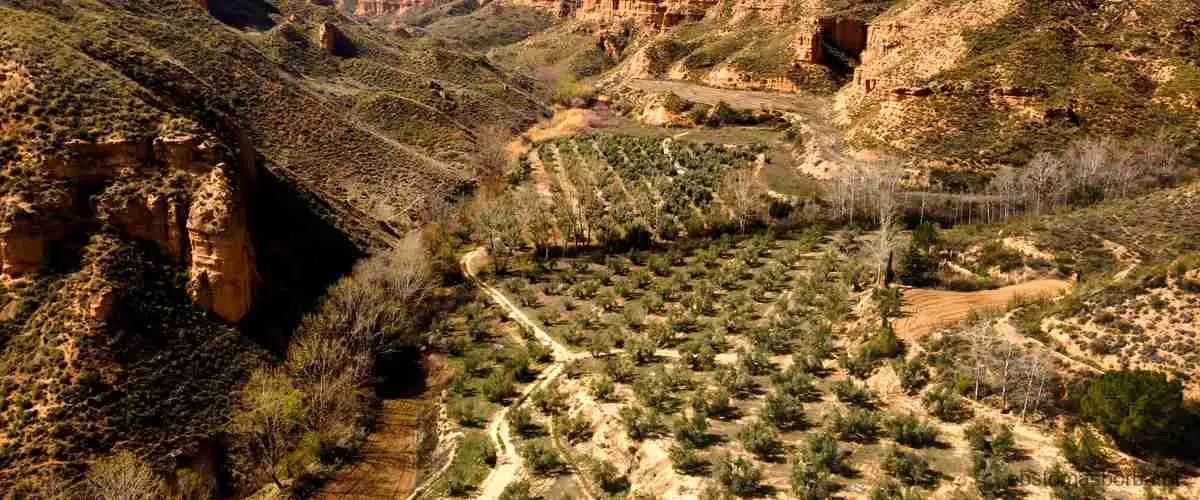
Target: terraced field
[[617, 184]]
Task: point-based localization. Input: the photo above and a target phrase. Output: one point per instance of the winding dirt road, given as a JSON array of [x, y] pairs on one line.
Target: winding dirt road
[[509, 463]]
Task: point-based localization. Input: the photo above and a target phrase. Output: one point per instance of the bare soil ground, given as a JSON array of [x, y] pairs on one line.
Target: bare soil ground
[[929, 309], [392, 455]]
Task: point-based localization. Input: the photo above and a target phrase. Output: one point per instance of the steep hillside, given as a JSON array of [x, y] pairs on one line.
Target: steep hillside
[[997, 81], [181, 180], [968, 83]]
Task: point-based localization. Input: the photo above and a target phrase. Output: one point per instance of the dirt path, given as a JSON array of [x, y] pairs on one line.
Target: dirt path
[[929, 309], [509, 463], [392, 454]]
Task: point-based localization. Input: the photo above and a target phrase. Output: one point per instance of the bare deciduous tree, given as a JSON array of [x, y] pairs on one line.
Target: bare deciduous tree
[[745, 196], [122, 476], [494, 157], [495, 220]]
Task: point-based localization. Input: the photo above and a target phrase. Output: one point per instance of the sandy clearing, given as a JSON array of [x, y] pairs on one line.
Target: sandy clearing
[[564, 123], [929, 309]]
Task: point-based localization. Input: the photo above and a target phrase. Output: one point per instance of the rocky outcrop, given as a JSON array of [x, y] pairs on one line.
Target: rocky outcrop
[[772, 10], [381, 8], [174, 191], [25, 238], [331, 39], [649, 13], [730, 78], [816, 44], [221, 272]]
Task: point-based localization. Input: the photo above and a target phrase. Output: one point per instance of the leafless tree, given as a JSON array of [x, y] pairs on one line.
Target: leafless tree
[[494, 157], [377, 298], [494, 218], [1160, 158], [745, 196], [122, 476], [885, 183], [1042, 179]]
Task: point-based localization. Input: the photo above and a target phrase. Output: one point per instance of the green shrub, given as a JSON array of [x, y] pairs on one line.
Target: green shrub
[[761, 439], [739, 475], [692, 430], [991, 440], [810, 482], [822, 451], [541, 457], [784, 411], [795, 381], [1086, 453], [945, 404], [891, 490], [517, 490], [608, 477], [853, 394], [860, 425], [755, 362], [684, 458], [910, 468], [1065, 486], [573, 429], [549, 401], [717, 404], [997, 254], [522, 421], [619, 368], [993, 477], [1142, 410], [913, 374], [467, 412], [911, 431], [498, 386], [737, 381], [639, 423], [602, 388]]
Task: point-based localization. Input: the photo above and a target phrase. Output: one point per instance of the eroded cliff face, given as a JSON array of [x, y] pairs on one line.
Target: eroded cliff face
[[221, 273], [174, 191], [380, 8]]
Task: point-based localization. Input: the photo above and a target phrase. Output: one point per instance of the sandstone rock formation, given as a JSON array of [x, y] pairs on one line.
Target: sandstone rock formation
[[649, 13], [172, 191], [331, 39], [221, 272], [814, 45], [381, 8], [25, 238]]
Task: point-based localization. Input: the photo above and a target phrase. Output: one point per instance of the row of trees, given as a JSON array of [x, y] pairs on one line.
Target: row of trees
[[508, 221], [291, 416], [1088, 171], [983, 365], [311, 407]]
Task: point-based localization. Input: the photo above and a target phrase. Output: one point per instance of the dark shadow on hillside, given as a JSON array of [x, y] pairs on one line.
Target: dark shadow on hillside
[[400, 374], [299, 252], [244, 14]]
